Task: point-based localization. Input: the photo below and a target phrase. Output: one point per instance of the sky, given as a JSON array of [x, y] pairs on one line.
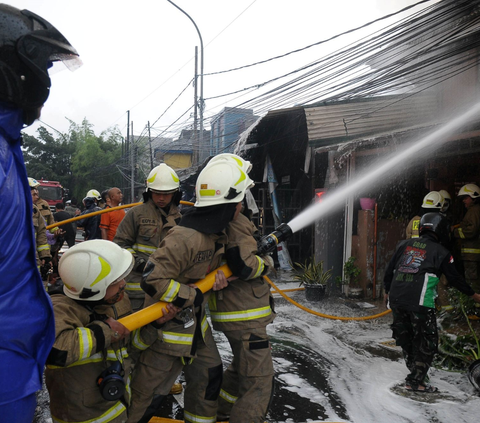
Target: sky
[[139, 56]]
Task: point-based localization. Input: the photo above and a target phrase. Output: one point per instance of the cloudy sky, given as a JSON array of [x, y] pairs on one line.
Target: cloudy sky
[[139, 56]]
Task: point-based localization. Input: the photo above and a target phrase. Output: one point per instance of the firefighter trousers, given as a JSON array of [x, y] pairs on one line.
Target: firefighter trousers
[[247, 385], [156, 372]]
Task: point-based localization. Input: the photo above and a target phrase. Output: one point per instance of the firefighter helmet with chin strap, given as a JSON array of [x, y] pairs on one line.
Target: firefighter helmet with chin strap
[[433, 200], [28, 46], [93, 193], [89, 268], [471, 190], [163, 179], [222, 182], [445, 194], [239, 161]]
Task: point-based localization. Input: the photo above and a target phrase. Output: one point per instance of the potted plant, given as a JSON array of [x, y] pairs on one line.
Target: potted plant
[[352, 272], [313, 276]]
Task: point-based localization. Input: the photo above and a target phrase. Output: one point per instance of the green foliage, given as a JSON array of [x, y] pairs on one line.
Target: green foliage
[[79, 160], [458, 351], [311, 272], [351, 271]]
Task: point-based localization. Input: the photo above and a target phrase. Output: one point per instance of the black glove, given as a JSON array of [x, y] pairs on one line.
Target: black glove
[[46, 260], [198, 301], [140, 265]]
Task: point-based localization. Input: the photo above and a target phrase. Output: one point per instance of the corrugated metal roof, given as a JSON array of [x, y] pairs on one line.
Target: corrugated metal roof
[[341, 121]]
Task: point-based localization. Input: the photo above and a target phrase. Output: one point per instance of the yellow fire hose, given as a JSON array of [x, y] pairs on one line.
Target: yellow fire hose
[[107, 210], [316, 313], [155, 311]]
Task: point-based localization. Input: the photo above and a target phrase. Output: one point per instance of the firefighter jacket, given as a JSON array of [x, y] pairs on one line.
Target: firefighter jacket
[[140, 232], [91, 225], [469, 234], [246, 302], [82, 352], [184, 257], [413, 226], [45, 210], [414, 271], [42, 247]]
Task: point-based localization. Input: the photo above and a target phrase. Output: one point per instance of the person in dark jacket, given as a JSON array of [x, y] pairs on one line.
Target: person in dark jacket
[[90, 225], [60, 215], [410, 282], [28, 46]]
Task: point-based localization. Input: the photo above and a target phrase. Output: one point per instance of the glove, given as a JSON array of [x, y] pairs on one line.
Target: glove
[[198, 298], [140, 265]]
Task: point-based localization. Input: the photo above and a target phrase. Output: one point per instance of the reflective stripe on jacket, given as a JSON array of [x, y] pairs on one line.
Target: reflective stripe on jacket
[[469, 234], [413, 227], [184, 257], [42, 247], [140, 232], [246, 302], [81, 352]]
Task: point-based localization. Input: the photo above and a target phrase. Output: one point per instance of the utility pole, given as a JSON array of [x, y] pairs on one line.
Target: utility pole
[[150, 144], [132, 174], [196, 148], [200, 100], [127, 146]]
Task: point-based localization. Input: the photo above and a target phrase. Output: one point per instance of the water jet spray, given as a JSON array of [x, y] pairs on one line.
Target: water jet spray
[[331, 201]]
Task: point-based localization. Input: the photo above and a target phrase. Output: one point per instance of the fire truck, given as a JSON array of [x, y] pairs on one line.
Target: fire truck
[[52, 192]]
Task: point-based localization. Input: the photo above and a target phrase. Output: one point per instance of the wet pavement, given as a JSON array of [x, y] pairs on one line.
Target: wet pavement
[[343, 371]]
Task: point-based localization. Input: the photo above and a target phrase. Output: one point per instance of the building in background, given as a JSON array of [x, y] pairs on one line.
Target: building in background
[[226, 128]]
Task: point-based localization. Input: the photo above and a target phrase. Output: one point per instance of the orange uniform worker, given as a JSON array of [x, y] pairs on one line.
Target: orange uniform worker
[[110, 221]]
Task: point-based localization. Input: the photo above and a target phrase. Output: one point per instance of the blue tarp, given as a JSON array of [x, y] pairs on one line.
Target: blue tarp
[[27, 328]]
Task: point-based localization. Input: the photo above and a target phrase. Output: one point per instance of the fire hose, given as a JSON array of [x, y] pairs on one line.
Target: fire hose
[[107, 210], [267, 244]]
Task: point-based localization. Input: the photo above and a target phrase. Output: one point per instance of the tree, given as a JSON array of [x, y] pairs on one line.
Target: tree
[[79, 160]]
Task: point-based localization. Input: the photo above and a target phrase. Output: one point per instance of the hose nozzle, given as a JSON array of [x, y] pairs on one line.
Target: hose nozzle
[[269, 242]]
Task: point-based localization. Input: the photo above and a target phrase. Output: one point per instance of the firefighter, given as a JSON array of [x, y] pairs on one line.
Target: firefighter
[[91, 225], [468, 231], [242, 312], [93, 353], [28, 46], [433, 201], [410, 282], [144, 226], [447, 201], [188, 253], [42, 205], [43, 248]]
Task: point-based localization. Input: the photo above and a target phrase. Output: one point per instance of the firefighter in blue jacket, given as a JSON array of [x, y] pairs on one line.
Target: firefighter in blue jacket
[[28, 46], [410, 282]]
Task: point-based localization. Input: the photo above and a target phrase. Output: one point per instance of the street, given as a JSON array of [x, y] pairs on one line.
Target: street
[[339, 371]]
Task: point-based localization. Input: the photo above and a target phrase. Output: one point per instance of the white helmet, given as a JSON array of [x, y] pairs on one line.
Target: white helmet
[[445, 194], [471, 190], [221, 182], [89, 268], [164, 179], [242, 163], [433, 200], [33, 183], [93, 193]]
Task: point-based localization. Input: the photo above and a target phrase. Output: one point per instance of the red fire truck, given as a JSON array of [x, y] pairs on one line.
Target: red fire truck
[[52, 192]]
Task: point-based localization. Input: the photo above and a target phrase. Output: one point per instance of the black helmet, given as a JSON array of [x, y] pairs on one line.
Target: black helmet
[[436, 223], [28, 46]]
